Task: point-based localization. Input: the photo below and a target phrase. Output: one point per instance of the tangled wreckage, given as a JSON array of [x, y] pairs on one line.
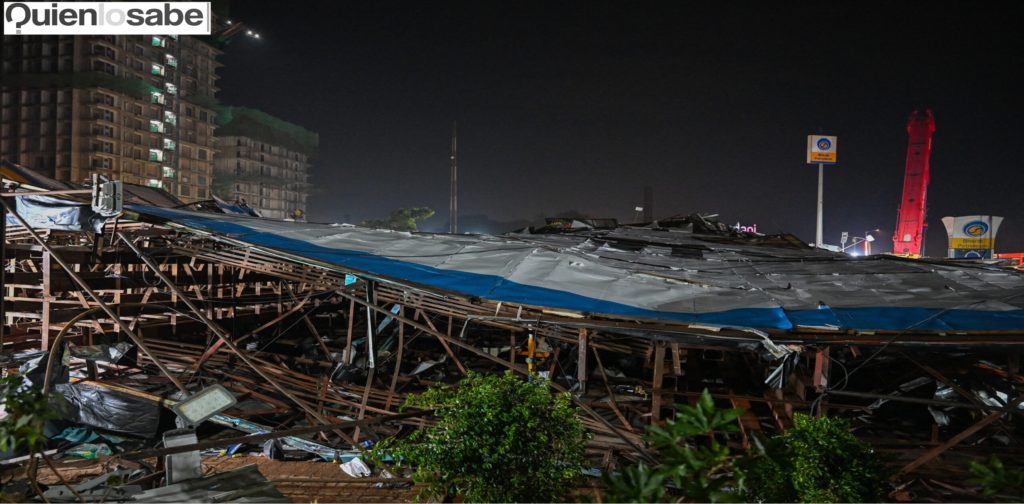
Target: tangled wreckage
[[320, 331]]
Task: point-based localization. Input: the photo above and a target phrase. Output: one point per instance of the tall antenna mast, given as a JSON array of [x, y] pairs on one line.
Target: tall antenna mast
[[453, 207]]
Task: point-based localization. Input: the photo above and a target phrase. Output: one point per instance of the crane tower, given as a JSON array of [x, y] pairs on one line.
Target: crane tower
[[910, 217]]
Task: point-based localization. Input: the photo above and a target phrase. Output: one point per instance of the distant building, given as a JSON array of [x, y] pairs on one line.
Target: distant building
[[135, 108], [263, 161]]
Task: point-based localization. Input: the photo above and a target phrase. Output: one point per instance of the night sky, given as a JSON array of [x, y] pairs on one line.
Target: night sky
[[578, 105]]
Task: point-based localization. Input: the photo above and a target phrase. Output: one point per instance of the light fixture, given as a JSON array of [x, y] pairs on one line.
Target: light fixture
[[204, 404]]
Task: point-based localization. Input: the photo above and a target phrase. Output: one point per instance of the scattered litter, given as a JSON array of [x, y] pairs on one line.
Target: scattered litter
[[356, 468]]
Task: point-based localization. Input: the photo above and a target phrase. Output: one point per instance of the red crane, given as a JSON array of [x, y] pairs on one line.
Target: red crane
[[910, 224]]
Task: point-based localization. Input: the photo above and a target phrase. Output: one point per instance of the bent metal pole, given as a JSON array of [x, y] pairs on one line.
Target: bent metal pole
[[223, 334], [85, 287]]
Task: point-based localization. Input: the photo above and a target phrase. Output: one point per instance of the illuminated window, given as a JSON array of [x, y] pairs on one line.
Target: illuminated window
[[170, 118], [154, 183], [170, 60], [156, 126], [168, 144], [156, 155], [170, 88], [158, 98], [156, 69], [158, 42], [168, 172]]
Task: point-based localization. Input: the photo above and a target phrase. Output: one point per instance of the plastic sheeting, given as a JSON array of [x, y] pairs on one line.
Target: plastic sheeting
[[659, 274], [110, 410], [49, 212]]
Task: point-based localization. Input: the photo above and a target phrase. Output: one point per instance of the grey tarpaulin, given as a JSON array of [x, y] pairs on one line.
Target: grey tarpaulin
[[48, 212], [110, 410], [667, 274]]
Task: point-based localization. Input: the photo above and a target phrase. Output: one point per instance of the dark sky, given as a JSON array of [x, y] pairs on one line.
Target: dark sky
[[578, 105]]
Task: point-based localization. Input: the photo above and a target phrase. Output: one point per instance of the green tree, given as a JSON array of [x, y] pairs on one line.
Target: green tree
[[403, 219], [817, 460], [700, 471], [27, 410], [497, 439], [998, 481]]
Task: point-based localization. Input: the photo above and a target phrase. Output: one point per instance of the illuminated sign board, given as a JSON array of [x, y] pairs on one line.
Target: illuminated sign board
[[821, 149]]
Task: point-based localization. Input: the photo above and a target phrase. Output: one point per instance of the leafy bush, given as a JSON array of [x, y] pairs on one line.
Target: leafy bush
[[27, 410], [818, 460], [498, 439], [701, 472], [996, 480]]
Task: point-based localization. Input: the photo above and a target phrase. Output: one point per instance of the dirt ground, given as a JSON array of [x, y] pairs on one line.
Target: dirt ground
[[300, 481]]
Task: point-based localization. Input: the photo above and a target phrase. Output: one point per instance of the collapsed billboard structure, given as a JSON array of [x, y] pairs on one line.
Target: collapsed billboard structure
[[325, 325]]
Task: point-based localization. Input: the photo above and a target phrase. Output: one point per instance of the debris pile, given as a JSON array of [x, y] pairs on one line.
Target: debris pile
[[215, 335]]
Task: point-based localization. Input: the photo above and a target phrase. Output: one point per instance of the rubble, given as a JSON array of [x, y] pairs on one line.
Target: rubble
[[321, 331]]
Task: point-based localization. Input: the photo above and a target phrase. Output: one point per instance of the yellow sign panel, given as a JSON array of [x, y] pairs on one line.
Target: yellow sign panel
[[821, 157], [971, 243]]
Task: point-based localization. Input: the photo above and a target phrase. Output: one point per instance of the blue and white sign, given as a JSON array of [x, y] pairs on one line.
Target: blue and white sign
[[821, 149]]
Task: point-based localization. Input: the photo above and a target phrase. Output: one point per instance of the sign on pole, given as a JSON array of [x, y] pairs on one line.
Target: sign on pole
[[821, 149]]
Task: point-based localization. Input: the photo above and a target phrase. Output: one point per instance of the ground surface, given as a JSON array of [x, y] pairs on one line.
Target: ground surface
[[300, 481]]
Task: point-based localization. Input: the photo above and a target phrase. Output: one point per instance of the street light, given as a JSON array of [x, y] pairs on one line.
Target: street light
[[857, 240]]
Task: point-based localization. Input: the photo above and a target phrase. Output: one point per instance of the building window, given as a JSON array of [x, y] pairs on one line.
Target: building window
[[156, 126], [168, 172], [189, 111], [156, 69], [106, 115], [104, 51], [203, 154], [156, 155], [170, 118], [106, 131], [203, 117], [103, 66], [170, 60], [168, 144], [157, 42], [170, 88], [158, 98], [105, 99], [102, 146], [154, 182]]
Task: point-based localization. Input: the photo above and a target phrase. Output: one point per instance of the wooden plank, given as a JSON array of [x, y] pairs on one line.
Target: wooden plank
[[581, 361], [659, 373], [748, 422]]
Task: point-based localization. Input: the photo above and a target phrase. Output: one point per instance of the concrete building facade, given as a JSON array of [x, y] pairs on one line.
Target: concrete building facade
[[264, 162], [135, 108]]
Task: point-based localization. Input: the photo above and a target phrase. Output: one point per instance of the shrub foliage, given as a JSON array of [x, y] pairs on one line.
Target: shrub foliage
[[498, 439], [817, 460]]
